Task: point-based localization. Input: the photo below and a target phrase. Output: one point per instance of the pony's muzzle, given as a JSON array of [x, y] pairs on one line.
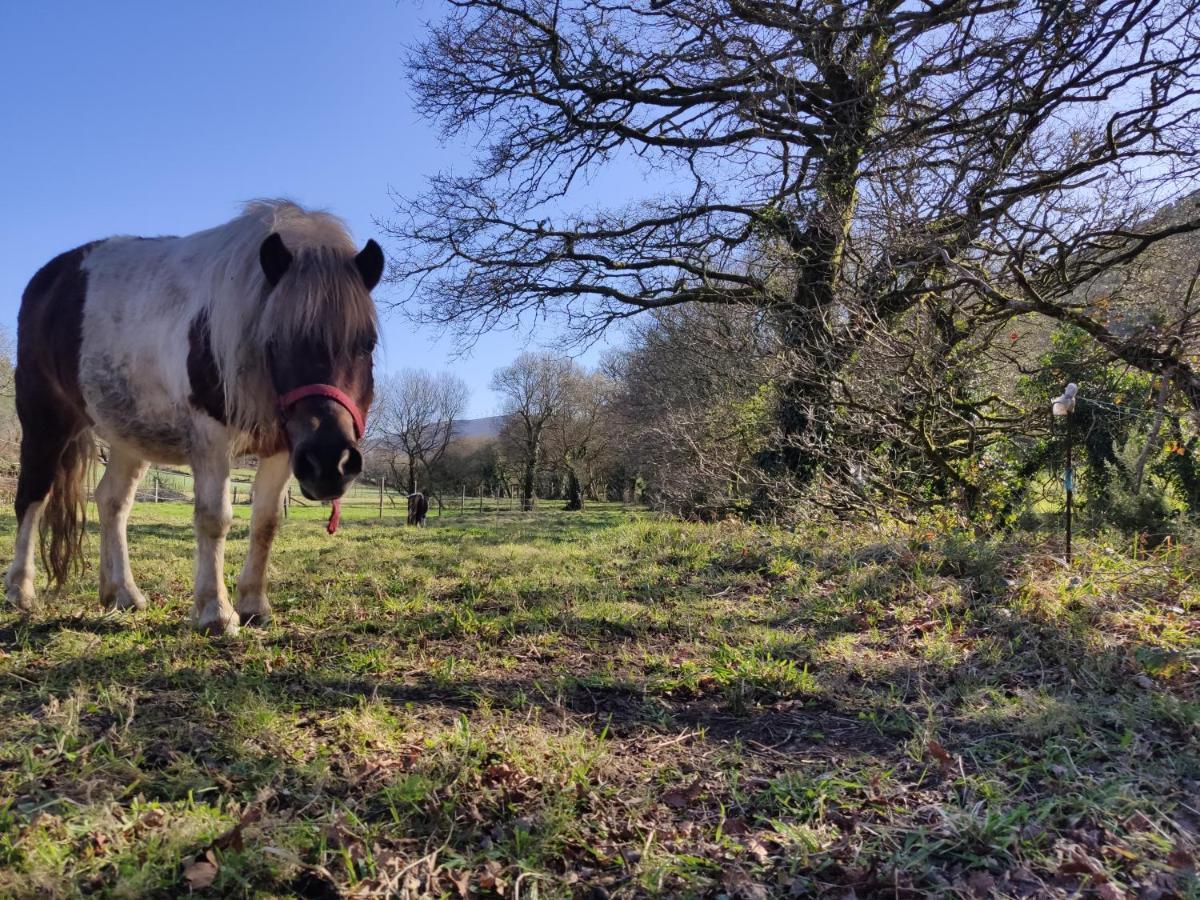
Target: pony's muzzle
[[325, 468]]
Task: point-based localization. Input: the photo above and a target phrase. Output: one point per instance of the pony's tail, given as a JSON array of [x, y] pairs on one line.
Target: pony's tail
[[65, 513]]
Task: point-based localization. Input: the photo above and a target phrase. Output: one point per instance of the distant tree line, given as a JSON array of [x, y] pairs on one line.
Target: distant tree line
[[557, 440]]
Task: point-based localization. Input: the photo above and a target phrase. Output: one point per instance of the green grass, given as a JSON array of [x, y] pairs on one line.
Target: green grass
[[609, 704]]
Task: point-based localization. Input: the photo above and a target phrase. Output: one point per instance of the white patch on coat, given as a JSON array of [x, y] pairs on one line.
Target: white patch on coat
[[143, 295]]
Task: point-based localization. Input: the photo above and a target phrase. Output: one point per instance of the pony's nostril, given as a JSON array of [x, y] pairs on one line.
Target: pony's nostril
[[310, 465], [326, 464], [350, 464]]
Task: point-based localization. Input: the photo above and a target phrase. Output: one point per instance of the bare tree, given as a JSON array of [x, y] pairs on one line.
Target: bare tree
[[416, 413], [692, 399], [836, 164], [535, 388], [583, 431]]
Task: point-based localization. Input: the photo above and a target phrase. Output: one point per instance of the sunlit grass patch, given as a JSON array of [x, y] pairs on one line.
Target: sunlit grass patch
[[614, 701]]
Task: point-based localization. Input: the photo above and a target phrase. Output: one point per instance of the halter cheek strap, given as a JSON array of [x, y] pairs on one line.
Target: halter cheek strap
[[329, 392]]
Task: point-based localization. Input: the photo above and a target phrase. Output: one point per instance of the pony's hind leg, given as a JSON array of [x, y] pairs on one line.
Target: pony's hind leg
[[18, 583], [269, 483], [42, 450], [114, 499], [211, 612]]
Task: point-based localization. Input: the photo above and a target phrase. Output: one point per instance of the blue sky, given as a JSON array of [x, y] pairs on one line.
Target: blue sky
[[161, 118]]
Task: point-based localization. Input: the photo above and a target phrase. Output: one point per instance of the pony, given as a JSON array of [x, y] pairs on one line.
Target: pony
[[256, 337], [418, 506]]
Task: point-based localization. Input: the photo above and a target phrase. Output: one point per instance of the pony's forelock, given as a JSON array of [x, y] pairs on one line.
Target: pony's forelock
[[321, 300]]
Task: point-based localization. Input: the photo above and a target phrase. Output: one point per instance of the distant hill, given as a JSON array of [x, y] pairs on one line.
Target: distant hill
[[487, 427]]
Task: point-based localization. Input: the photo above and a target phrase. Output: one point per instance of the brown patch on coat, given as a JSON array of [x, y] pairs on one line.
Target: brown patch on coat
[[56, 439], [208, 391]]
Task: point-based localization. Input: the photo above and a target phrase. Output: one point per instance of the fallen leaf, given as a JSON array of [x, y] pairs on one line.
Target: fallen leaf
[[1180, 858], [202, 873], [734, 825], [942, 755], [1139, 821], [489, 878], [1117, 851], [981, 884], [1082, 864], [153, 818], [233, 837], [758, 851], [502, 774], [461, 882], [681, 798], [738, 884]]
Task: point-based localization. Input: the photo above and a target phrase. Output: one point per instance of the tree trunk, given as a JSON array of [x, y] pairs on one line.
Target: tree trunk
[[527, 485], [574, 492], [805, 323], [412, 475]]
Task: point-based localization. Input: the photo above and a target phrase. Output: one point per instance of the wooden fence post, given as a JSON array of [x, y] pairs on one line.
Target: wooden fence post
[[462, 507], [382, 482]]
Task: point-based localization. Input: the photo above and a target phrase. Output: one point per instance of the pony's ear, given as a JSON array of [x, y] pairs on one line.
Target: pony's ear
[[274, 257], [369, 263]]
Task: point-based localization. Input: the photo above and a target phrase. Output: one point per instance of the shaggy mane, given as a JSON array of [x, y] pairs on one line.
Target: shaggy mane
[[320, 300]]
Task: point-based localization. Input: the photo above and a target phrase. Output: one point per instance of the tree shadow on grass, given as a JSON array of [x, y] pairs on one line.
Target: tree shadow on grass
[[184, 742]]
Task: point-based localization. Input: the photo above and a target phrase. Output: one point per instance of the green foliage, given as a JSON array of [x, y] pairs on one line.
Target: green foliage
[[1109, 429]]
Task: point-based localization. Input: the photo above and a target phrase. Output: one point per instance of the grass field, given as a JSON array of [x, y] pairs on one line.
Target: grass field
[[608, 704]]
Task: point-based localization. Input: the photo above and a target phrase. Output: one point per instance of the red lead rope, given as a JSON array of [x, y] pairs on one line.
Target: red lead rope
[[291, 398]]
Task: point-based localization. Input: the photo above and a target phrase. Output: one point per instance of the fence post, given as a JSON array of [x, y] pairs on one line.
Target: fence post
[[287, 501], [156, 484], [481, 496], [382, 482], [462, 507]]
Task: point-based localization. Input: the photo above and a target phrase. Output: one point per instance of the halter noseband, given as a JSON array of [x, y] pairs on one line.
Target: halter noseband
[[329, 392]]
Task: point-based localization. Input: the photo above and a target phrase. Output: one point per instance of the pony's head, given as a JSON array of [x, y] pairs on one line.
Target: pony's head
[[323, 340]]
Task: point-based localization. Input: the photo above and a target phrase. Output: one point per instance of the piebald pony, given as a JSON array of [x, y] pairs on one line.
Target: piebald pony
[[253, 337]]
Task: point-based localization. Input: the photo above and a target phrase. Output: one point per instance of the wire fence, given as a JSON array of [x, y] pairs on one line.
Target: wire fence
[[164, 484]]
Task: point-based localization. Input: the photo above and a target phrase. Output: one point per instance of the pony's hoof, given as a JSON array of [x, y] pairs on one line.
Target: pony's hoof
[[218, 628], [217, 625], [254, 610], [20, 597], [255, 619], [125, 597]]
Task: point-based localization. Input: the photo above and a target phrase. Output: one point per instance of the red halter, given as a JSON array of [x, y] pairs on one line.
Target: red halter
[[328, 391]]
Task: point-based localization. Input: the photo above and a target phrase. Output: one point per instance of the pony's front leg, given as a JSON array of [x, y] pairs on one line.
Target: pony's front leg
[[269, 483], [211, 611], [114, 499]]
